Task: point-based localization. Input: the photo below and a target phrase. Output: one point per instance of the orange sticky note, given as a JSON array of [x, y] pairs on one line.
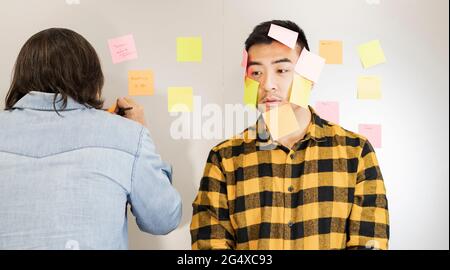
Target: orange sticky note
[[281, 121], [140, 83], [331, 50]]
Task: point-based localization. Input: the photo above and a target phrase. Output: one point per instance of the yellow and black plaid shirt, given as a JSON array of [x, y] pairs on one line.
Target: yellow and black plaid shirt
[[327, 192]]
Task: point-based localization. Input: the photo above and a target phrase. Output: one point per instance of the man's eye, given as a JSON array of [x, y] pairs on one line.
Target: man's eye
[[283, 70], [256, 73]]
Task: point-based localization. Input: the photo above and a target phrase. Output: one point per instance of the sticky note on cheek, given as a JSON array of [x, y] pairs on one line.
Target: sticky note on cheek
[[300, 91], [281, 121], [189, 49], [140, 83], [309, 65], [251, 92], [122, 49], [180, 99], [372, 133]]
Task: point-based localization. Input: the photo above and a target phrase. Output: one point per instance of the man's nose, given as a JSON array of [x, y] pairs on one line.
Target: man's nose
[[268, 84]]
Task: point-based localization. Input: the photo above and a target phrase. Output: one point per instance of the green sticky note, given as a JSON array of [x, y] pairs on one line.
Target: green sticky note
[[371, 54], [180, 99], [300, 91], [369, 87], [189, 49], [251, 92]]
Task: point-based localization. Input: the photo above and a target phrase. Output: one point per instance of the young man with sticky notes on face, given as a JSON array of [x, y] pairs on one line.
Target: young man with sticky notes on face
[[293, 180]]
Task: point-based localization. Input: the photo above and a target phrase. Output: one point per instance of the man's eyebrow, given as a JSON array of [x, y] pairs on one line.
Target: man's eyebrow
[[282, 61], [253, 63]]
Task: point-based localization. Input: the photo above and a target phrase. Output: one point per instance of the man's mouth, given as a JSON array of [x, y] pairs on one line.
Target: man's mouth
[[272, 101]]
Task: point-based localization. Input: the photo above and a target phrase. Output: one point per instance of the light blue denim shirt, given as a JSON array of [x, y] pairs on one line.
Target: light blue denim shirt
[[65, 181]]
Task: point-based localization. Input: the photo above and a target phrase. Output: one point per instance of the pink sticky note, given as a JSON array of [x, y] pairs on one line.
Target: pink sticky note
[[372, 133], [328, 110], [283, 35], [310, 65], [122, 49]]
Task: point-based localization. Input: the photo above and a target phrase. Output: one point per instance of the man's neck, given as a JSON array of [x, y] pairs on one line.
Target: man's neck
[[303, 116]]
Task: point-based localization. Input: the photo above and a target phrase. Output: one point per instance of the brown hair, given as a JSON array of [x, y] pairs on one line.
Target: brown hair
[[58, 61]]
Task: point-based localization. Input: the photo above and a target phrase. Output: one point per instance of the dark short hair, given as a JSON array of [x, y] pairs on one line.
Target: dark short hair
[[261, 31], [58, 61]]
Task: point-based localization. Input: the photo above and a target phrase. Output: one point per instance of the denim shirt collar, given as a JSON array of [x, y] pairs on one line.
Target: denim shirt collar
[[44, 102]]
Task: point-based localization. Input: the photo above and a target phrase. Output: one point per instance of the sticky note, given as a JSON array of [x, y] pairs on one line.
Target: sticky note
[[372, 133], [300, 91], [309, 65], [281, 121], [122, 49], [371, 54], [189, 49], [283, 35], [331, 50], [112, 109], [328, 110], [369, 87], [140, 83], [251, 92], [180, 99]]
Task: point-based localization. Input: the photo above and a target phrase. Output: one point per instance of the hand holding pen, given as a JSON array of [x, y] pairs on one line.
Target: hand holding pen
[[128, 108]]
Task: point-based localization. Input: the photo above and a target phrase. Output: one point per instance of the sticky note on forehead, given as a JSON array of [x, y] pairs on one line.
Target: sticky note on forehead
[[251, 92], [140, 83], [180, 99], [309, 65], [300, 91], [281, 121], [371, 54], [283, 35], [189, 49], [122, 49]]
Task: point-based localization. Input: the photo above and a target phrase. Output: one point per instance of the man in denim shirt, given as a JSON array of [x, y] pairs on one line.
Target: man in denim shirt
[[67, 168]]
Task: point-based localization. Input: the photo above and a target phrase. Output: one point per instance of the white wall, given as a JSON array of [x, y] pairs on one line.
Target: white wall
[[413, 111]]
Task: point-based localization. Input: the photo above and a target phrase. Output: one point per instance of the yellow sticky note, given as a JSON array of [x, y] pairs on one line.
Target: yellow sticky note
[[300, 91], [371, 54], [180, 99], [140, 83], [251, 92], [189, 49], [369, 87], [331, 50], [281, 121]]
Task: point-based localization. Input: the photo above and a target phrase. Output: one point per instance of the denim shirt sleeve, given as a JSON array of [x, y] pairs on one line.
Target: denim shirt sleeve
[[155, 203]]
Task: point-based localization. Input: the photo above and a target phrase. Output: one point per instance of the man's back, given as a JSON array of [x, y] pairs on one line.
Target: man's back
[[66, 180]]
